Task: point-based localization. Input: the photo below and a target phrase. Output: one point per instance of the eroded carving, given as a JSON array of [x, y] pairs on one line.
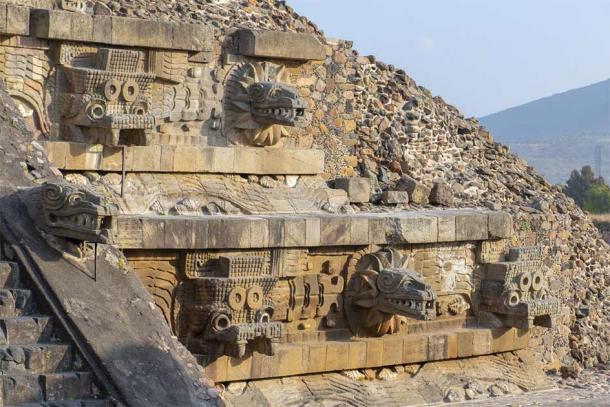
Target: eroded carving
[[382, 290], [517, 290], [71, 211], [259, 104], [232, 308]]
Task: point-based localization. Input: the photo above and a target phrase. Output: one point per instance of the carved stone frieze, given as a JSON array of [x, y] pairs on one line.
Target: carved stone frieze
[[382, 290], [259, 105], [517, 290]]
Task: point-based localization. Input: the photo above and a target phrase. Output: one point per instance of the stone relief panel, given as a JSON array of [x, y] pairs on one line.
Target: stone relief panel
[[259, 104]]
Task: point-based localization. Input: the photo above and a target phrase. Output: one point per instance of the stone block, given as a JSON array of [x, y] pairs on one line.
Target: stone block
[[394, 197], [356, 355], [276, 232], [359, 231], [153, 233], [81, 27], [500, 225], [129, 232], [263, 366], [412, 229], [415, 348], [239, 369], [317, 357], [465, 344], [452, 345], [312, 231], [377, 230], [437, 347], [146, 158], [502, 339], [178, 234], [142, 33], [471, 226], [392, 350], [17, 19], [277, 44], [334, 230], [418, 192], [187, 159], [194, 37], [200, 234], [102, 29], [217, 369], [441, 194], [482, 341], [259, 233], [112, 159], [358, 188], [446, 228], [56, 151], [51, 24], [294, 232], [337, 353], [374, 352]]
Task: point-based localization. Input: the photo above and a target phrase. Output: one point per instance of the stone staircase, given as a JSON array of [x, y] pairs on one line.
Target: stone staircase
[[37, 366]]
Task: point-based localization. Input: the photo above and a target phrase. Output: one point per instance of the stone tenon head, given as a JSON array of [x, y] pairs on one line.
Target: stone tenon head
[[70, 211]]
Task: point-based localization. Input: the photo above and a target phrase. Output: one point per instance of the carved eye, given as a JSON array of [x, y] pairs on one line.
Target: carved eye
[[257, 91]]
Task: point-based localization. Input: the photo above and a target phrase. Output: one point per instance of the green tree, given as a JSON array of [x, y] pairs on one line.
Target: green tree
[[588, 191], [581, 182]]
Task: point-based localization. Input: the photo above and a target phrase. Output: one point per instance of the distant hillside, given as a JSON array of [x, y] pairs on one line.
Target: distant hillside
[[585, 109], [558, 133]]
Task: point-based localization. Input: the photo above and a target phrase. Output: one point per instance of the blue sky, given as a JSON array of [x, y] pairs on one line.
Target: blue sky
[[480, 55]]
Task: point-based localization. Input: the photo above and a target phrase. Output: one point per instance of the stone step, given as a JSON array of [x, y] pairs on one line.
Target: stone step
[[19, 389], [16, 302], [9, 274], [39, 358], [25, 330], [67, 386]]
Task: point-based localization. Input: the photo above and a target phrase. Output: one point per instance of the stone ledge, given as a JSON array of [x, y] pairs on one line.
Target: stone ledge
[[267, 231], [361, 353], [185, 159], [277, 44], [14, 20], [65, 25]]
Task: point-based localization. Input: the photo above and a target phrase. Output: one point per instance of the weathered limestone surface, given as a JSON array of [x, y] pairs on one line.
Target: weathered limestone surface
[[65, 25], [183, 159], [187, 232], [14, 19], [275, 44]]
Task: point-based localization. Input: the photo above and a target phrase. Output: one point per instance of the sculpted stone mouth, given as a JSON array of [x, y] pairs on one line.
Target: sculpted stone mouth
[[286, 115], [83, 221], [412, 304]]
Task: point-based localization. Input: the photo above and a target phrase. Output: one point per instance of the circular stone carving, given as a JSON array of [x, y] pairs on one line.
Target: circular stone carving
[[525, 281], [112, 89], [513, 298], [130, 90], [541, 295], [96, 110], [221, 322], [537, 281], [255, 297], [263, 316], [237, 298]]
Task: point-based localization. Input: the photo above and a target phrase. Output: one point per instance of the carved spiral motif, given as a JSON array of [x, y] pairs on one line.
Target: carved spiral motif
[[388, 282], [54, 196]]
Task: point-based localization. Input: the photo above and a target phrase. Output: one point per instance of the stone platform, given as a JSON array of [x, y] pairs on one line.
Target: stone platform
[[70, 156], [267, 231], [359, 353]]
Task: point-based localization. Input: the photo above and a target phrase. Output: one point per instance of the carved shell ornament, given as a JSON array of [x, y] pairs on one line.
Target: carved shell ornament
[[259, 105]]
